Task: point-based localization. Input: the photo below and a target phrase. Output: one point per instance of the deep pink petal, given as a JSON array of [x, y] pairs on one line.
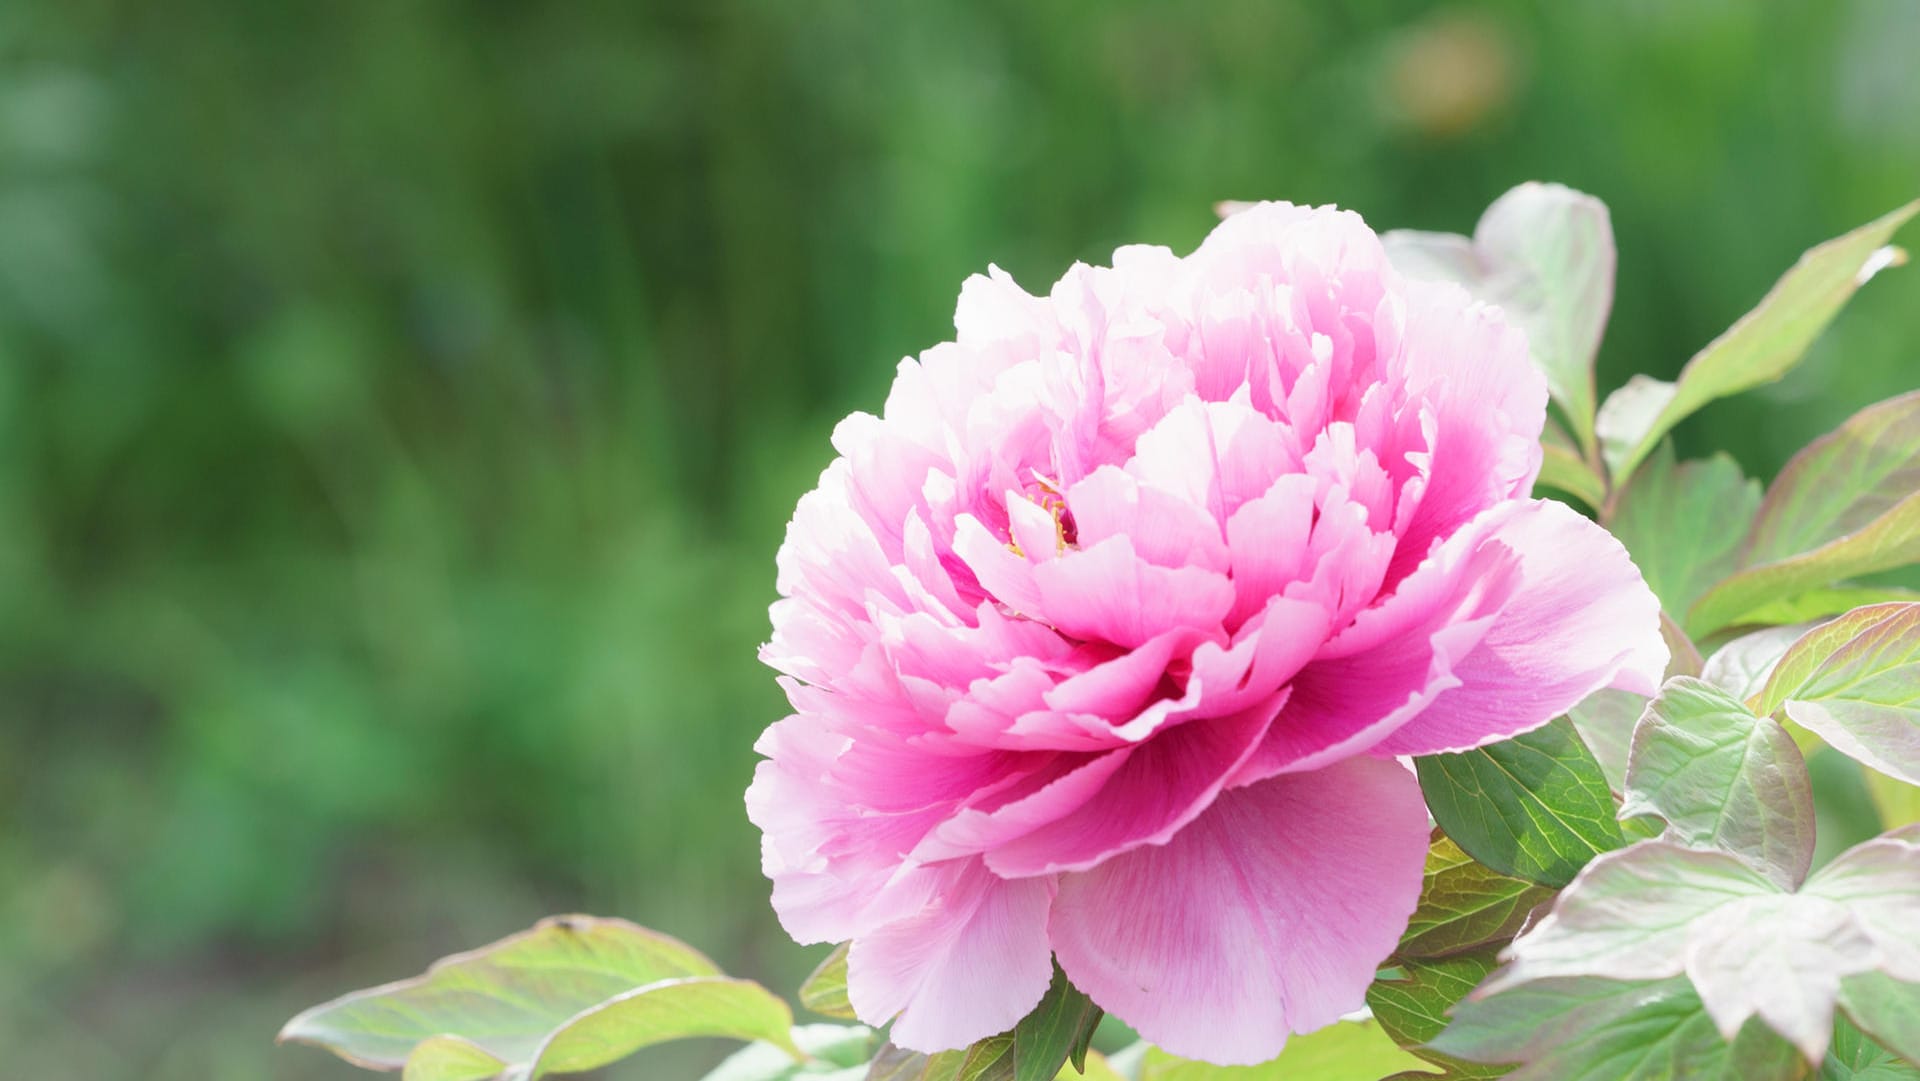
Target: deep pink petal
[[1161, 786], [1266, 915]]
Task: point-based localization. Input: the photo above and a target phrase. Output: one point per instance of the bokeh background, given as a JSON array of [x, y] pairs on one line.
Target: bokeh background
[[400, 403]]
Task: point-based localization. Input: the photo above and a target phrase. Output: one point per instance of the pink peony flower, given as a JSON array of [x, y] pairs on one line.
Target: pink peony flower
[[1103, 639]]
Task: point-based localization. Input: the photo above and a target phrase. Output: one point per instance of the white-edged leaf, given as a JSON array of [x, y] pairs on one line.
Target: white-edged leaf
[[570, 988], [834, 1053], [1741, 667], [1855, 682], [1544, 253], [1760, 347], [1657, 910], [1722, 778]]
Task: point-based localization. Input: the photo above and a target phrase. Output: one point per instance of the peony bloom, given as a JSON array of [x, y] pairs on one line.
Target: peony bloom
[[1103, 640]]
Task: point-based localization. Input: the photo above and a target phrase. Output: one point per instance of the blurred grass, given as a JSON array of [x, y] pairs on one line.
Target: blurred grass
[[400, 403]]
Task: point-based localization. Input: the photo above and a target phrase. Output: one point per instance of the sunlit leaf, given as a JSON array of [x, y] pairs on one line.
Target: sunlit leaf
[[1841, 482], [450, 1058], [1590, 1029], [1847, 505], [1683, 523], [1761, 347], [1855, 682], [1741, 667], [1544, 253], [1825, 603], [1536, 806], [1722, 778], [1339, 1052], [834, 1053], [988, 1060], [1464, 905], [825, 991], [1658, 910], [573, 993]]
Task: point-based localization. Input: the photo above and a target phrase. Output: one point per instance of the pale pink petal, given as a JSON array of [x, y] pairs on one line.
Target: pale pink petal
[[1266, 915], [1579, 618], [1108, 593], [970, 964]]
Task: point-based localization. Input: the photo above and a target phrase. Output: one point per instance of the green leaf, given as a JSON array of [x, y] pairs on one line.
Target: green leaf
[[569, 992], [1855, 682], [1464, 905], [1847, 505], [1536, 806], [450, 1058], [1683, 523], [1741, 667], [1544, 253], [1339, 1052], [1589, 1029], [1413, 1004], [825, 991], [1563, 469], [1853, 1056], [988, 1060], [1761, 347], [1723, 778], [1825, 603], [1886, 1009], [1841, 482], [1057, 1032], [834, 1053]]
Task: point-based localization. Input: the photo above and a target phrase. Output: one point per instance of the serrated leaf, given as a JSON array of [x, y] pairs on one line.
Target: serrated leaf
[[1853, 1056], [1413, 1005], [1886, 1009], [834, 1053], [572, 989], [825, 990], [1847, 505], [1339, 1052], [1589, 1029], [1683, 523], [1855, 682], [1465, 905], [1759, 348], [1536, 807], [1658, 910], [1722, 778], [1544, 253]]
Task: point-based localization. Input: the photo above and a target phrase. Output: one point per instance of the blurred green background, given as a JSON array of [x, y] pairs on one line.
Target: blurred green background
[[400, 403]]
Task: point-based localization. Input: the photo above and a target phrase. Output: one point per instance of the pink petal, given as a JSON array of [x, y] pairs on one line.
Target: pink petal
[[970, 964], [1579, 618], [1161, 787], [1108, 593], [1266, 915]]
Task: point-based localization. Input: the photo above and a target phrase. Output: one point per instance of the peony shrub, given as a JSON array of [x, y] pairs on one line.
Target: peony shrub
[[1275, 649]]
